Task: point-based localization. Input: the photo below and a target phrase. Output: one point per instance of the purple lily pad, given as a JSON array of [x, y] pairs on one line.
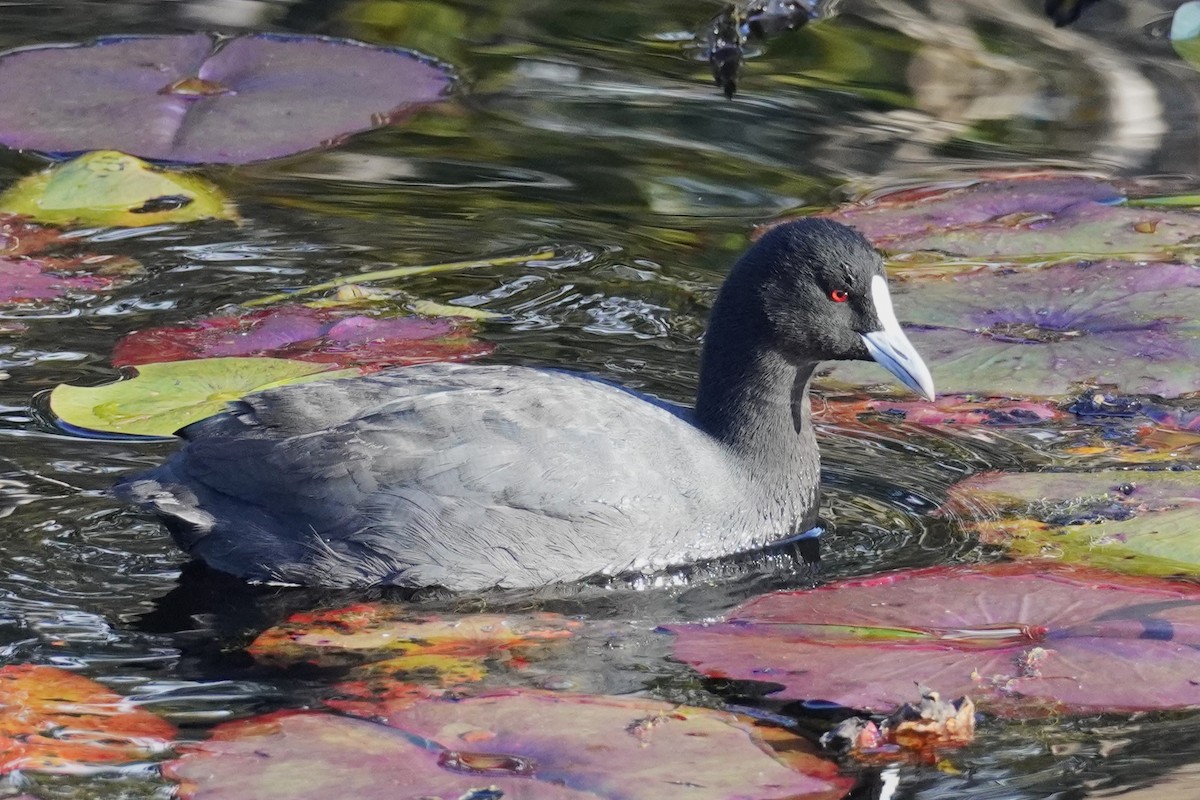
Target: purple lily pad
[[1016, 638], [523, 744], [1053, 332], [1037, 215], [195, 99], [1137, 522], [307, 334]]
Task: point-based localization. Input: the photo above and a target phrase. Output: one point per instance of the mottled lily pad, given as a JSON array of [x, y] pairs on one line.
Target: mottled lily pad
[[325, 335], [112, 189], [372, 632], [517, 744], [1137, 522], [163, 398], [946, 410], [196, 98], [1034, 216], [1053, 332], [55, 721], [1015, 638]]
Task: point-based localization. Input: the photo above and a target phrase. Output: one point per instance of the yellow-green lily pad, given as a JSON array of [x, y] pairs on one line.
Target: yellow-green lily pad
[[163, 398], [113, 189]]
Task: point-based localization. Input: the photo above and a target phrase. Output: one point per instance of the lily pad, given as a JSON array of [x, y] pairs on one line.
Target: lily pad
[[1053, 332], [1020, 639], [36, 280], [1137, 522], [1022, 217], [163, 398], [516, 744], [372, 632], [54, 721], [325, 335], [113, 189], [197, 98]]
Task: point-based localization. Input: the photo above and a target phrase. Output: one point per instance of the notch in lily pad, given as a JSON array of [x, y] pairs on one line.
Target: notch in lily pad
[[198, 98]]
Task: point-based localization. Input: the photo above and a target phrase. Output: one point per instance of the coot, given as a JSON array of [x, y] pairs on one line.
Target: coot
[[469, 477]]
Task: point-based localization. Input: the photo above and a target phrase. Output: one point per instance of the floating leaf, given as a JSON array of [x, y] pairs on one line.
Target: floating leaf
[[1034, 216], [54, 721], [1050, 332], [363, 633], [1015, 638], [113, 189], [517, 744], [1138, 522], [163, 398], [200, 99], [31, 280], [327, 335]]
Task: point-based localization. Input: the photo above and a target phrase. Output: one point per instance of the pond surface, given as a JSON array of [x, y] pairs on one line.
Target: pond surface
[[593, 129]]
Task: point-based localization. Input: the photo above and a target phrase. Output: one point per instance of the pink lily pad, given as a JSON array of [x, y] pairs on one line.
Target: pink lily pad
[[1037, 215], [1016, 638], [198, 99], [1053, 332], [32, 280], [515, 744], [334, 336]]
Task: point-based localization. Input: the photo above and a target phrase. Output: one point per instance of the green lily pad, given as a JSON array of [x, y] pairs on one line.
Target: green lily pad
[[1136, 522], [163, 398], [113, 189]]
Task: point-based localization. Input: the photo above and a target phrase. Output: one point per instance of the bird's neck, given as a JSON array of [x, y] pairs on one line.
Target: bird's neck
[[755, 401]]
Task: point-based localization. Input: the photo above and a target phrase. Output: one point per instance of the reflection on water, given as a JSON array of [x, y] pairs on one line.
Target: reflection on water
[[595, 129]]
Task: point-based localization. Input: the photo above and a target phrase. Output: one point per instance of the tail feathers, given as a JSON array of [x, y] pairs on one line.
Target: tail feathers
[[175, 504]]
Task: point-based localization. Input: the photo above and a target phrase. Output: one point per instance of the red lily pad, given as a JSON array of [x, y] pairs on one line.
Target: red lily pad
[[1055, 331], [55, 721], [516, 744], [327, 336], [1015, 638], [372, 632], [1038, 215], [196, 98], [1137, 522]]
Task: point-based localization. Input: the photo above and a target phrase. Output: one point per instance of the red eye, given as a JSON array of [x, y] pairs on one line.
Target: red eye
[[838, 296]]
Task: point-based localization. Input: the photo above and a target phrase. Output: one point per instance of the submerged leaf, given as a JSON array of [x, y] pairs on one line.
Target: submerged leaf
[[113, 189], [367, 632], [516, 744], [163, 398], [1138, 522], [1016, 638], [332, 335], [197, 98], [1054, 331], [54, 721]]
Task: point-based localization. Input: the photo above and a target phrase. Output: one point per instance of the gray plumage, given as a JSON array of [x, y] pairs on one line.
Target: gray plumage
[[476, 476]]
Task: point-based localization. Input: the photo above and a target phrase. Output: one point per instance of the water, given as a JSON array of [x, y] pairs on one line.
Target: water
[[592, 129]]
